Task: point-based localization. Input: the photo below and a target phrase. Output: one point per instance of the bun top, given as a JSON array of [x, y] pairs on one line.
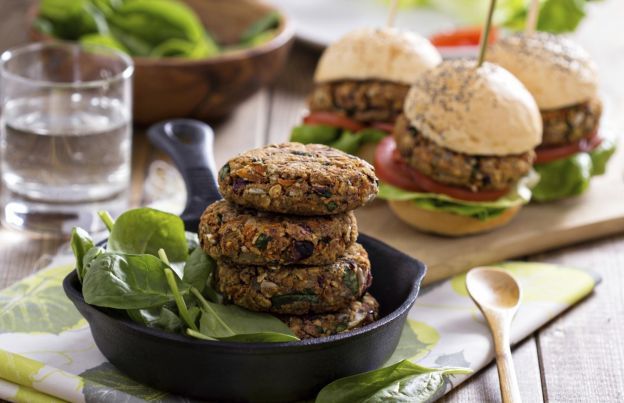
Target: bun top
[[377, 53], [557, 71], [477, 111]]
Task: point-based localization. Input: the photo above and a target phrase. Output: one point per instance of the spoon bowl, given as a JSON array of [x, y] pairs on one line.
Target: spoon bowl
[[493, 288]]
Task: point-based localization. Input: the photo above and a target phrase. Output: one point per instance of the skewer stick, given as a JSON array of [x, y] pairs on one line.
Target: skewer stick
[[533, 13], [394, 5], [483, 43]]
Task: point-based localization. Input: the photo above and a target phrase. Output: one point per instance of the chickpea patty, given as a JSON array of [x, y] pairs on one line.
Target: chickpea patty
[[457, 169], [246, 236], [293, 178], [365, 101], [297, 290], [359, 313], [567, 125]]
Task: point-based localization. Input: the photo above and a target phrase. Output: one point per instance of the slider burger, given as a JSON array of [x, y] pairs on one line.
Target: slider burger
[[460, 158], [360, 84], [563, 80]]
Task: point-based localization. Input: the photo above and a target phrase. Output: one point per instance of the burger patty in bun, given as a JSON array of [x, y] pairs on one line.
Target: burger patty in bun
[[458, 169], [569, 124], [361, 100]]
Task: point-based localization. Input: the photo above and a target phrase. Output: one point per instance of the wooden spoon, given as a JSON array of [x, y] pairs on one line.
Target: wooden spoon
[[497, 294]]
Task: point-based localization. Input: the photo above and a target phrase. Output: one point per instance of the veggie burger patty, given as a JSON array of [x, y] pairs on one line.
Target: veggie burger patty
[[359, 313], [246, 236], [567, 125], [364, 101], [293, 178], [297, 290], [458, 169]]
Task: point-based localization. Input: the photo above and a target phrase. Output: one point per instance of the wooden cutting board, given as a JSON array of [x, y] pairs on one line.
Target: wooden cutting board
[[538, 227]]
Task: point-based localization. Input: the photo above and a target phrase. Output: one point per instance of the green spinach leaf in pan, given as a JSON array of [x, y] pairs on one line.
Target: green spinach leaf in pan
[[81, 243], [125, 281], [230, 322], [145, 230]]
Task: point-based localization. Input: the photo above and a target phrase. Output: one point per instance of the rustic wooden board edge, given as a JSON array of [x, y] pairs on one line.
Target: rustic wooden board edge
[[565, 237]]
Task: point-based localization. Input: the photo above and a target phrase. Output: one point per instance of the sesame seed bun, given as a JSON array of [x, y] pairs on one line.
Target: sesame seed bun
[[557, 71], [377, 53], [477, 111], [449, 224]]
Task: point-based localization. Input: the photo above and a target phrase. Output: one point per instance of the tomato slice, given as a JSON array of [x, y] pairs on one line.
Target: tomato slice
[[390, 168], [544, 155], [469, 36], [333, 119]]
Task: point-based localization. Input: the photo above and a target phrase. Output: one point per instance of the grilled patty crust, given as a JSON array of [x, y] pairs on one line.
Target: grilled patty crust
[[359, 313], [362, 100], [458, 169], [293, 178], [297, 290], [247, 236], [567, 125]]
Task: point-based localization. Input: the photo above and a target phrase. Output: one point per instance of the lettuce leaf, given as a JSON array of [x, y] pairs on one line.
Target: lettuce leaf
[[480, 210], [570, 176], [341, 139]]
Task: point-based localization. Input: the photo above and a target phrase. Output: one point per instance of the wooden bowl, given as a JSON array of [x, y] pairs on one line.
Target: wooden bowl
[[206, 89]]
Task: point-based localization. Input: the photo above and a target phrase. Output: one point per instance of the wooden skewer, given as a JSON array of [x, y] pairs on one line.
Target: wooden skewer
[[485, 34], [394, 5], [533, 13]]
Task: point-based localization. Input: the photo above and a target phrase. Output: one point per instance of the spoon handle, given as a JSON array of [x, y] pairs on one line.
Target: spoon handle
[[506, 372]]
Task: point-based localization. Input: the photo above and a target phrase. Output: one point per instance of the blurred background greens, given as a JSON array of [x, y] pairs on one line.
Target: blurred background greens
[[555, 15], [145, 28]]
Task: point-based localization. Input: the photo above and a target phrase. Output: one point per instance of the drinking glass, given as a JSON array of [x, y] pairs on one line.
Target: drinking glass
[[65, 135]]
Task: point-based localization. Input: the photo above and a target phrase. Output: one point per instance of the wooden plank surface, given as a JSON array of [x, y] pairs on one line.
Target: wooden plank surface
[[484, 386], [578, 357]]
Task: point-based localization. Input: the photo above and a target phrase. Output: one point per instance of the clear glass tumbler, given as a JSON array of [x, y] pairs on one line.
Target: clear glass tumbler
[[65, 135]]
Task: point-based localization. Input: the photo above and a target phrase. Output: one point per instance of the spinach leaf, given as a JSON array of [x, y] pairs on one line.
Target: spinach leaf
[[80, 243], [169, 321], [160, 317], [145, 230], [199, 266], [264, 337], [177, 295], [197, 335], [125, 281], [69, 19], [230, 322], [147, 316], [102, 40], [268, 22], [401, 382], [88, 259]]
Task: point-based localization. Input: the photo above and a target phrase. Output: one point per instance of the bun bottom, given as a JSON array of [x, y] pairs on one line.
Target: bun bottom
[[449, 224]]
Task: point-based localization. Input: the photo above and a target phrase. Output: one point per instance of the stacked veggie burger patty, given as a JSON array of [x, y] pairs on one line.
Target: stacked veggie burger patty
[[285, 236]]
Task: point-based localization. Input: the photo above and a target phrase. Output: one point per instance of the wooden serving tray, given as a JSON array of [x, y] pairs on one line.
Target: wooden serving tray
[[538, 227]]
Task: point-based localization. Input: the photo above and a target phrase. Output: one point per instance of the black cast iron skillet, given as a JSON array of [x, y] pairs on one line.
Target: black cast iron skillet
[[227, 371]]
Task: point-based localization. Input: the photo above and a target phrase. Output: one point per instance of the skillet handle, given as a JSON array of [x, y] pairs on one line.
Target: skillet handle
[[189, 143]]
